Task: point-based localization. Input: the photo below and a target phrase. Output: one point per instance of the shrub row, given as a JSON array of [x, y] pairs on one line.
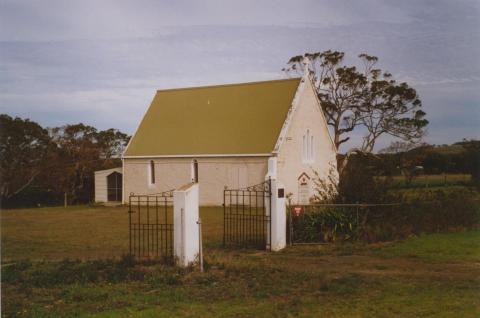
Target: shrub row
[[414, 213]]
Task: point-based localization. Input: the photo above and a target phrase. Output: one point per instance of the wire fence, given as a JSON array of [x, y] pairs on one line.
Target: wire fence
[[323, 223]]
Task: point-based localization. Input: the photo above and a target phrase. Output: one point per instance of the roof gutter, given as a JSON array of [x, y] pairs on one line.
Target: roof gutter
[[200, 156]]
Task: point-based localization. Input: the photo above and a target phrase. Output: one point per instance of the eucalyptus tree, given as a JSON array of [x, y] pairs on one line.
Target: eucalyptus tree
[[365, 97]]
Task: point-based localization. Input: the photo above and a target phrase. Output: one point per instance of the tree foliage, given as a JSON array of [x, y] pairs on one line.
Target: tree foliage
[[56, 160], [23, 148], [458, 158], [472, 159], [360, 182], [367, 97], [408, 158]]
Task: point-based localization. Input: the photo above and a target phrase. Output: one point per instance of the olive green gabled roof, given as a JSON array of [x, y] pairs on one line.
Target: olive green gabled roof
[[230, 119]]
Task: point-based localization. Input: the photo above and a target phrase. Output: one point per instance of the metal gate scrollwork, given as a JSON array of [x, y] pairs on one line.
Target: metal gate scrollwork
[[247, 216], [151, 226]]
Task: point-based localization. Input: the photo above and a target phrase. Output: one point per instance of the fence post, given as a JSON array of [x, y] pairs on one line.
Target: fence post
[[200, 247], [278, 216], [289, 224], [185, 228]]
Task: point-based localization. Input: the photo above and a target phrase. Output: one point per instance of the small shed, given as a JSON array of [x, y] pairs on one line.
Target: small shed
[[108, 185]]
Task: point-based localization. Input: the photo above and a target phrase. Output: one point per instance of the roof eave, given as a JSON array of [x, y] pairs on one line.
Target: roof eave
[[200, 155]]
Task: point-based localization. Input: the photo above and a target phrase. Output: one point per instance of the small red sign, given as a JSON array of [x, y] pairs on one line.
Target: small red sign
[[297, 210]]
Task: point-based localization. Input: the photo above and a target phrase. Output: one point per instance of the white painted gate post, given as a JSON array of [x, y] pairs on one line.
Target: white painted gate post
[[185, 227], [277, 239], [278, 216]]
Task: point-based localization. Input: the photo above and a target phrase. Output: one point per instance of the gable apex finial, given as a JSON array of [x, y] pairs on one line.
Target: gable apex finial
[[306, 67]]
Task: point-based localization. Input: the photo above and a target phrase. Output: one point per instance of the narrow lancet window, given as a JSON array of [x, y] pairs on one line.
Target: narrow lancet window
[[152, 172], [195, 171]]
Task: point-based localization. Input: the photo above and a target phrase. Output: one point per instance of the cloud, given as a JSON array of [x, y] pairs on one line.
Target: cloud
[[100, 62], [90, 19]]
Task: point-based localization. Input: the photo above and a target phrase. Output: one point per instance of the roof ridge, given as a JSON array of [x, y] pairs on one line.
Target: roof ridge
[[229, 84]]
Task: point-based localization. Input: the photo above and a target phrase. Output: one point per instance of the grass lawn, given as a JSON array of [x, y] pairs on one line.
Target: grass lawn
[[429, 276], [442, 247], [79, 232]]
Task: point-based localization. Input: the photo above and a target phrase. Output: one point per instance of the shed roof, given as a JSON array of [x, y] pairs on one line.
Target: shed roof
[[229, 119], [107, 171]]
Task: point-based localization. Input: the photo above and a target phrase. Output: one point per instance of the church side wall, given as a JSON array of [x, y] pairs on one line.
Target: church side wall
[[213, 173]]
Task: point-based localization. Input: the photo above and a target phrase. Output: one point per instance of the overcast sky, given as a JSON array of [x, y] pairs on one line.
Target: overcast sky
[[100, 61]]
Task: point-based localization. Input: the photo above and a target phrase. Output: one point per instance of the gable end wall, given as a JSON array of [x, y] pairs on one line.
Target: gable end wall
[[307, 115]]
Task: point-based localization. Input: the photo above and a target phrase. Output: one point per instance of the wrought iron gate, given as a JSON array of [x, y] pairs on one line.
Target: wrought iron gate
[[151, 226], [246, 216]]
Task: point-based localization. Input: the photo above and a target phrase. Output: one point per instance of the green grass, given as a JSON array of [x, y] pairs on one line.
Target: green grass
[[428, 276], [83, 232], [442, 247]]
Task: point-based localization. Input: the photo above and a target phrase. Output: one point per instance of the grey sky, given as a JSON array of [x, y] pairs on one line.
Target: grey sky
[[100, 62]]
